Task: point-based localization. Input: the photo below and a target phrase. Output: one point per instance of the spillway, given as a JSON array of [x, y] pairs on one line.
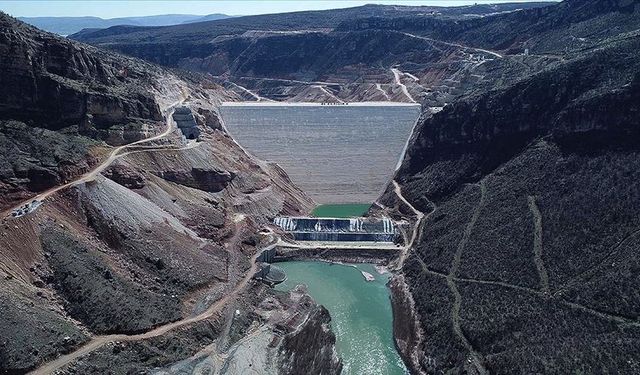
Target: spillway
[[335, 153], [337, 229]]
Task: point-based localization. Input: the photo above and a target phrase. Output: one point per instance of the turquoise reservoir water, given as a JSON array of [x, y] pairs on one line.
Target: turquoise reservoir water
[[361, 315]]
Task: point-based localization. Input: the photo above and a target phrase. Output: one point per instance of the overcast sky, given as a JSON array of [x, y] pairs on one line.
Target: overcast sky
[[116, 8]]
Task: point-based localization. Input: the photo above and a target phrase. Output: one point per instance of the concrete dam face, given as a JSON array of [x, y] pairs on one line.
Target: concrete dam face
[[335, 153]]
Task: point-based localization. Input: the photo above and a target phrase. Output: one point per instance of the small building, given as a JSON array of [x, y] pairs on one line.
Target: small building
[[186, 123]]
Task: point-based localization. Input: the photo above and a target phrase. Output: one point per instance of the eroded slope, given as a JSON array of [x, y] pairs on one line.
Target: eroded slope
[[536, 199]]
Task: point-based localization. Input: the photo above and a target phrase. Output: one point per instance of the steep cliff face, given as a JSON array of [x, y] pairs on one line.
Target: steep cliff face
[[312, 348], [587, 103], [58, 83], [406, 327], [532, 198], [58, 99]]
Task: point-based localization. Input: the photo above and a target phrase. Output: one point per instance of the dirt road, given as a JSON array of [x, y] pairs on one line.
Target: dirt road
[[403, 87], [492, 53], [98, 341], [91, 175], [416, 226]]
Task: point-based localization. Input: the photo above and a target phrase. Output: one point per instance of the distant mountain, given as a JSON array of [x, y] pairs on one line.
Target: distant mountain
[[209, 17], [71, 25], [303, 20]]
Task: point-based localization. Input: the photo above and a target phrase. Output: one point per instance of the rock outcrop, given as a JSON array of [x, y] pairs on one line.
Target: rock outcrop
[[59, 83], [406, 328], [125, 176], [311, 349], [270, 332]]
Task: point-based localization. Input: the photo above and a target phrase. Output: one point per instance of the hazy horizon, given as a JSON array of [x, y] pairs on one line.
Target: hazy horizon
[[116, 9]]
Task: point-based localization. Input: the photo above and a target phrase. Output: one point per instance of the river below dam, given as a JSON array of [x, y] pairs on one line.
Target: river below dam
[[361, 315]]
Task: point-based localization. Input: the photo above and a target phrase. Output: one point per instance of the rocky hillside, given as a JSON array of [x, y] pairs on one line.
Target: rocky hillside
[[525, 260], [129, 241], [552, 29], [59, 83], [58, 100], [294, 21], [313, 56]]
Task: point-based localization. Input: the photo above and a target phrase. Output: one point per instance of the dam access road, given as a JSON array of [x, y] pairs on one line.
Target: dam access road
[[99, 341], [113, 155]]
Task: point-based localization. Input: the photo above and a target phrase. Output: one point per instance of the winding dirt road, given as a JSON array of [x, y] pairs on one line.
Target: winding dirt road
[[253, 94], [416, 227], [91, 175], [475, 356], [384, 93], [328, 93], [492, 53], [403, 87]]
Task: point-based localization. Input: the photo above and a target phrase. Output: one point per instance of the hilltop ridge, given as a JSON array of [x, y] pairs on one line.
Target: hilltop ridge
[[71, 25]]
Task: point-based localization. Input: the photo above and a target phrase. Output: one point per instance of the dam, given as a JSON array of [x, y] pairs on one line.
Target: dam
[[335, 153]]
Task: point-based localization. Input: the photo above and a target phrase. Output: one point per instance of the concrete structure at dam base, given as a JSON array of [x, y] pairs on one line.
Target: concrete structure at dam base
[[338, 229], [270, 274]]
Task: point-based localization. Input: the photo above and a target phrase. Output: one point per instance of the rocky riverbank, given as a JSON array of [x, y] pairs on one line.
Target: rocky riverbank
[[274, 333], [408, 334]]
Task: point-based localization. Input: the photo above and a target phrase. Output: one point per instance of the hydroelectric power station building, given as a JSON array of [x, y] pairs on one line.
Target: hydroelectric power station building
[[334, 229]]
